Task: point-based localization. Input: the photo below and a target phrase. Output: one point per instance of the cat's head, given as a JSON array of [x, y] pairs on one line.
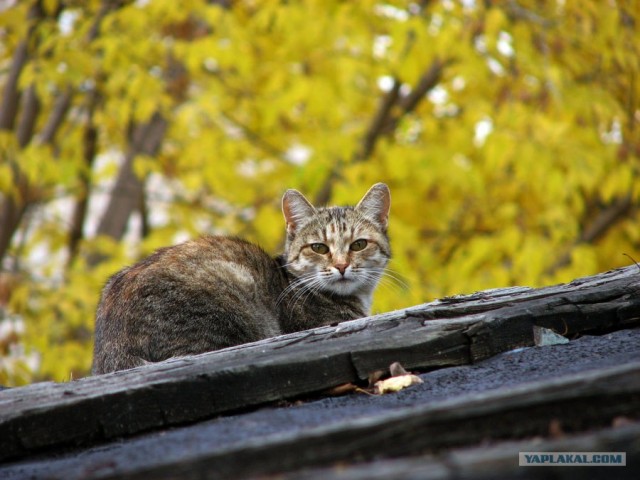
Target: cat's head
[[340, 250]]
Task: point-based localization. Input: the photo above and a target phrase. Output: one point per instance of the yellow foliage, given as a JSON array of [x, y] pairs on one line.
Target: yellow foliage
[[523, 144]]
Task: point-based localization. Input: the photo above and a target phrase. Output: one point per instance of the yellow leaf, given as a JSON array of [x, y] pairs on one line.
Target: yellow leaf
[[395, 384]]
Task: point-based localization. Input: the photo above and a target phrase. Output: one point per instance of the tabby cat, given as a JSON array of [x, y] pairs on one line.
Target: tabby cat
[[216, 292]]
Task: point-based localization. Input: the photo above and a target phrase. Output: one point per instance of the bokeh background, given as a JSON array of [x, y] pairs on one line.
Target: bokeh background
[[508, 132]]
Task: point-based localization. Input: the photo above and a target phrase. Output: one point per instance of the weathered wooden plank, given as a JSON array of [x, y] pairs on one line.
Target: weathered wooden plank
[[496, 462], [448, 332], [181, 391], [583, 401]]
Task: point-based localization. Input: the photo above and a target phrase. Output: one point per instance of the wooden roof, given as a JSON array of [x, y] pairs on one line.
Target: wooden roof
[[583, 394]]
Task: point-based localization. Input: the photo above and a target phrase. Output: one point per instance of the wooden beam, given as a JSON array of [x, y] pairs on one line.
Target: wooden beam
[[452, 331], [497, 461], [590, 399]]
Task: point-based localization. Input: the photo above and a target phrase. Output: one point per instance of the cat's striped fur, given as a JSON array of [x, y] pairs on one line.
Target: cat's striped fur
[[216, 292]]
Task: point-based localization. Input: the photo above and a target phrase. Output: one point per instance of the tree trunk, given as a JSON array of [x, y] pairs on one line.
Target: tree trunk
[[128, 192]]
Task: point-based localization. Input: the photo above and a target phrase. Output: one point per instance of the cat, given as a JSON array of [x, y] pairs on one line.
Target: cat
[[217, 292]]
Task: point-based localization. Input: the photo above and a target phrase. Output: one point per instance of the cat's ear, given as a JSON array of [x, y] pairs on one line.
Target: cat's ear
[[375, 204], [296, 208]]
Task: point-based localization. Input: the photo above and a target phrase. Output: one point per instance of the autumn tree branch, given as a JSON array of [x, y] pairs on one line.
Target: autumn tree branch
[[380, 119], [429, 79], [89, 151], [254, 137], [29, 114], [58, 114], [392, 109], [24, 107], [13, 205], [128, 190], [605, 220], [63, 100], [11, 94], [89, 138]]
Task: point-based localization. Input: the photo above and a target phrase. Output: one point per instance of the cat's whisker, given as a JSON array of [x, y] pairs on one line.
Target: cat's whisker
[[389, 285], [308, 288], [285, 265], [303, 285], [299, 283], [312, 290], [394, 276], [383, 280]]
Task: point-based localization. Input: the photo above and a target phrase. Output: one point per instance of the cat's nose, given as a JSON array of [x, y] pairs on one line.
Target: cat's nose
[[342, 267]]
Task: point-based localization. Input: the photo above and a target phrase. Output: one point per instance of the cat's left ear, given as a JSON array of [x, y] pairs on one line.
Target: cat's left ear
[[376, 203], [296, 209]]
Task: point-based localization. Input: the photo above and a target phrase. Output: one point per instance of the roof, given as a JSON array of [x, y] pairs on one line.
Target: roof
[[488, 392]]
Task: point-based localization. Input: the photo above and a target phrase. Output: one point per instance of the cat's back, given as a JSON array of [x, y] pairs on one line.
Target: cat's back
[[209, 263], [201, 261]]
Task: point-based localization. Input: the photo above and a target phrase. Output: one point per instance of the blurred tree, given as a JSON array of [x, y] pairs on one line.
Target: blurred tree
[[507, 131]]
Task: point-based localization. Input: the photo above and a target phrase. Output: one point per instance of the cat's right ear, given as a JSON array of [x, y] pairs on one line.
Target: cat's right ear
[[296, 208]]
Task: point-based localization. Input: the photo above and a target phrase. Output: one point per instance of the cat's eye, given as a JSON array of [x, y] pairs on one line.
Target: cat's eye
[[320, 248], [358, 245]]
